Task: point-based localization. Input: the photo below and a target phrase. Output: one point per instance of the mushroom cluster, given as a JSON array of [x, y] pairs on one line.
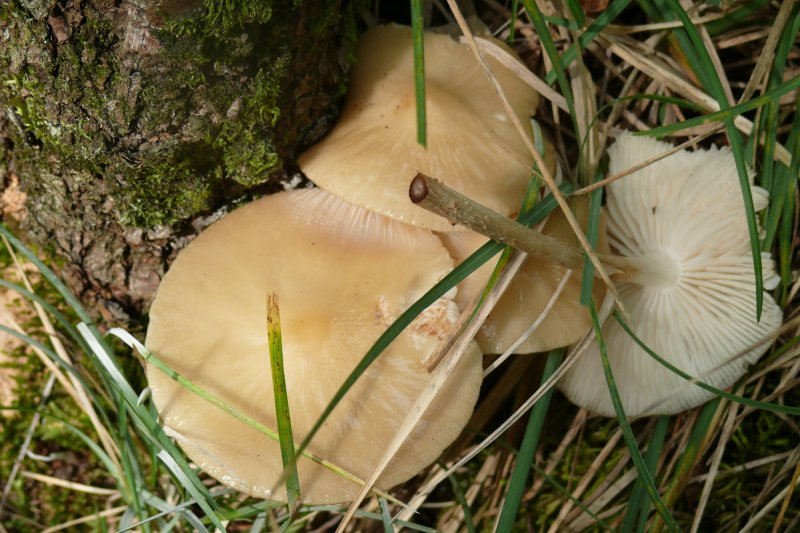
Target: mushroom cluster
[[343, 272], [346, 261]]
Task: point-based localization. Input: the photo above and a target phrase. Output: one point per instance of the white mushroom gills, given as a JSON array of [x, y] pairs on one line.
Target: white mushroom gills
[[679, 233]]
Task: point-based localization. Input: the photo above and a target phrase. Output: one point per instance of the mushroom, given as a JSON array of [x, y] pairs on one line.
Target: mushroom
[[343, 274], [372, 154], [680, 232], [528, 294]]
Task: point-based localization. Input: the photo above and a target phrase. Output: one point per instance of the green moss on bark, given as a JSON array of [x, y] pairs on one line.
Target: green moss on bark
[[153, 115]]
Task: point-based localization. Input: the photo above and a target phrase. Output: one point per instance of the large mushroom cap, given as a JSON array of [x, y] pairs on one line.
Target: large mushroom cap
[[372, 154], [342, 275], [688, 284], [530, 291]]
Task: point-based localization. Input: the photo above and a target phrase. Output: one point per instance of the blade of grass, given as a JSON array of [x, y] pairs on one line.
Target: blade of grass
[[417, 37], [284, 420], [777, 47], [150, 429], [735, 18], [461, 498], [690, 456], [592, 233], [549, 46], [57, 284], [609, 14], [386, 516], [519, 478], [693, 46], [512, 27], [627, 433], [727, 112], [638, 507], [566, 493], [63, 321]]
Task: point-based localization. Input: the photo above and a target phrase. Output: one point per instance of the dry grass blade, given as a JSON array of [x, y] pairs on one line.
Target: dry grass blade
[[770, 505], [94, 517], [71, 485], [502, 56], [583, 520], [611, 179]]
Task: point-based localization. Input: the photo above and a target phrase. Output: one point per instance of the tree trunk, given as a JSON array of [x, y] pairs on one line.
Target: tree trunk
[[131, 124]]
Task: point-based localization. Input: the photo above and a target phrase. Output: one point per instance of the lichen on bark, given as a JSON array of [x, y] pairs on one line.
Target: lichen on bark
[[130, 123]]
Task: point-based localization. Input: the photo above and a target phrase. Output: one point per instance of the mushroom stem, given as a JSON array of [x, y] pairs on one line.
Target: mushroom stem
[[440, 199]]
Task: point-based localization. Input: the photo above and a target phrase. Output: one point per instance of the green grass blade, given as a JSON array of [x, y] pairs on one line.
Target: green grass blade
[[638, 507], [786, 247], [549, 47], [386, 516], [727, 112], [627, 433], [154, 360], [131, 468], [512, 28], [70, 299], [57, 284], [689, 457], [737, 148], [651, 460], [527, 450], [605, 18], [417, 37], [577, 12], [756, 404], [282, 415], [461, 498], [149, 427], [735, 18], [592, 233], [699, 59], [191, 487], [63, 321], [780, 216]]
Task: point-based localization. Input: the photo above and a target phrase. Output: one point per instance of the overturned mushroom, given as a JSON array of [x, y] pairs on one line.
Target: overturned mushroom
[[679, 229], [343, 275], [372, 153]]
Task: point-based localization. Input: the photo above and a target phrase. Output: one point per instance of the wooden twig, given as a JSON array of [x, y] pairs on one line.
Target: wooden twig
[[440, 199]]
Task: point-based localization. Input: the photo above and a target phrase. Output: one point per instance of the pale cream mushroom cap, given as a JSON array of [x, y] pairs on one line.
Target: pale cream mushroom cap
[[372, 154], [679, 225], [342, 275], [530, 291]]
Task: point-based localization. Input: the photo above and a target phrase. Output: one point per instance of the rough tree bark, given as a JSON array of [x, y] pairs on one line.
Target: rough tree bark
[[131, 123]]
